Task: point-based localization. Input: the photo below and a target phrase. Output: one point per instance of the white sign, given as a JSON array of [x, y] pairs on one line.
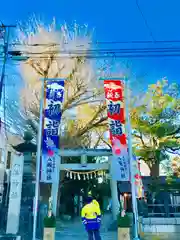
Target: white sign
[[15, 194], [120, 163], [120, 167], [49, 168], [114, 94]]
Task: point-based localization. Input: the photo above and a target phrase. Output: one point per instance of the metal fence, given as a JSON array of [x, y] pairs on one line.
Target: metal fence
[[160, 210]]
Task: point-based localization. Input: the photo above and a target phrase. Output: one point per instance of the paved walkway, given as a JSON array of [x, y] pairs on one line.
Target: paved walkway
[[165, 236], [75, 230]]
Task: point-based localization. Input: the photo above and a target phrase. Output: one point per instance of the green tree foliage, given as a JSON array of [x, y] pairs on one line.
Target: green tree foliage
[[154, 119]]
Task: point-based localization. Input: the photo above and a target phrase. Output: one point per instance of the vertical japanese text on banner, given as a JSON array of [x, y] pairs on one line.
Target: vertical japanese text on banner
[[116, 118], [52, 118]]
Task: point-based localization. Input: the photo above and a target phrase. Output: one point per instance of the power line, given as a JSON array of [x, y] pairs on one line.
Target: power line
[[156, 55], [96, 51], [98, 43], [145, 20], [116, 50]]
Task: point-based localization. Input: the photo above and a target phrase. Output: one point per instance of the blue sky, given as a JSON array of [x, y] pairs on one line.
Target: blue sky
[[114, 20]]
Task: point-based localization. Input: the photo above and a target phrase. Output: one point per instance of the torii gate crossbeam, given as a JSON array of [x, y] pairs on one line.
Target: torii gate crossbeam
[[86, 152]]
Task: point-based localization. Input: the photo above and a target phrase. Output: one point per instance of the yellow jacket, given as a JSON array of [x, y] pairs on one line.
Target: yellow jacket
[[91, 216], [96, 203]]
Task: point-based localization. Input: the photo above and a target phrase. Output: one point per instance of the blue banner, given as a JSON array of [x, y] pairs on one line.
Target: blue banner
[[53, 100]]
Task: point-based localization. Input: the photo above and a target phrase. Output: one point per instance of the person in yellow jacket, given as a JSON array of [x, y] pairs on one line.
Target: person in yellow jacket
[[91, 218]]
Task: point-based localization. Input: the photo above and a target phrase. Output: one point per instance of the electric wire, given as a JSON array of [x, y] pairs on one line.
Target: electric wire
[[96, 53], [105, 56], [145, 20], [117, 50], [100, 53], [109, 54], [98, 43]]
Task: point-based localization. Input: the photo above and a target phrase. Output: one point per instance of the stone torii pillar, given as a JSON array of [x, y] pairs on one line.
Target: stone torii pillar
[[114, 195]]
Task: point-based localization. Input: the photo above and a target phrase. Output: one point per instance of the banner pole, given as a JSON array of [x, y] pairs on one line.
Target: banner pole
[[55, 187], [38, 162], [130, 153]]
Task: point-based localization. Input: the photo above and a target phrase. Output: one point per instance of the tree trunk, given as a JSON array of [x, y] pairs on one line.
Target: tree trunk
[[154, 170]]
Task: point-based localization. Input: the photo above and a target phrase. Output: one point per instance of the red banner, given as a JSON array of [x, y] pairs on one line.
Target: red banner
[[114, 94]]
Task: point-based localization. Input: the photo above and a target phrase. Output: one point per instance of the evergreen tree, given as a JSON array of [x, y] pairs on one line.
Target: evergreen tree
[[154, 119]]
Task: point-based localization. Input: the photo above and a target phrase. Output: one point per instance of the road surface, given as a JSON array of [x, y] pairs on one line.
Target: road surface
[[75, 230]]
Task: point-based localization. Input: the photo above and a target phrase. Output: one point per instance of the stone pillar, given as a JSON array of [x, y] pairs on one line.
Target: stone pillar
[[115, 201], [28, 164], [28, 178], [28, 187], [28, 191], [15, 194], [114, 195]]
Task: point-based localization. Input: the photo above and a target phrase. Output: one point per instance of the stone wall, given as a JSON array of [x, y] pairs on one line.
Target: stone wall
[[160, 228]]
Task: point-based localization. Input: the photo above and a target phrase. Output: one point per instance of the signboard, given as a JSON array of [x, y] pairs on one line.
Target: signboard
[[49, 173], [15, 194], [114, 94], [54, 94]]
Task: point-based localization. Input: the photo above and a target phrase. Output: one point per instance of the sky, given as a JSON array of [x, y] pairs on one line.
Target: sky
[[116, 20]]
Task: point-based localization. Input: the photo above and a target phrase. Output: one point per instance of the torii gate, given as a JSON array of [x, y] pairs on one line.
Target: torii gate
[[83, 153]]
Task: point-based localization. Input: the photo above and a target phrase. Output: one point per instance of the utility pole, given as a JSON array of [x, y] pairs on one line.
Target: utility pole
[[130, 153], [4, 34]]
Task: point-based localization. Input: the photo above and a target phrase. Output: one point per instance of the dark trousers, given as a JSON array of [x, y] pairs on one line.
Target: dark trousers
[[94, 234]]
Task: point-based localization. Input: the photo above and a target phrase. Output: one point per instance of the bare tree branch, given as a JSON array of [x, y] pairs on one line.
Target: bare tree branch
[[72, 99], [39, 70], [80, 75]]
